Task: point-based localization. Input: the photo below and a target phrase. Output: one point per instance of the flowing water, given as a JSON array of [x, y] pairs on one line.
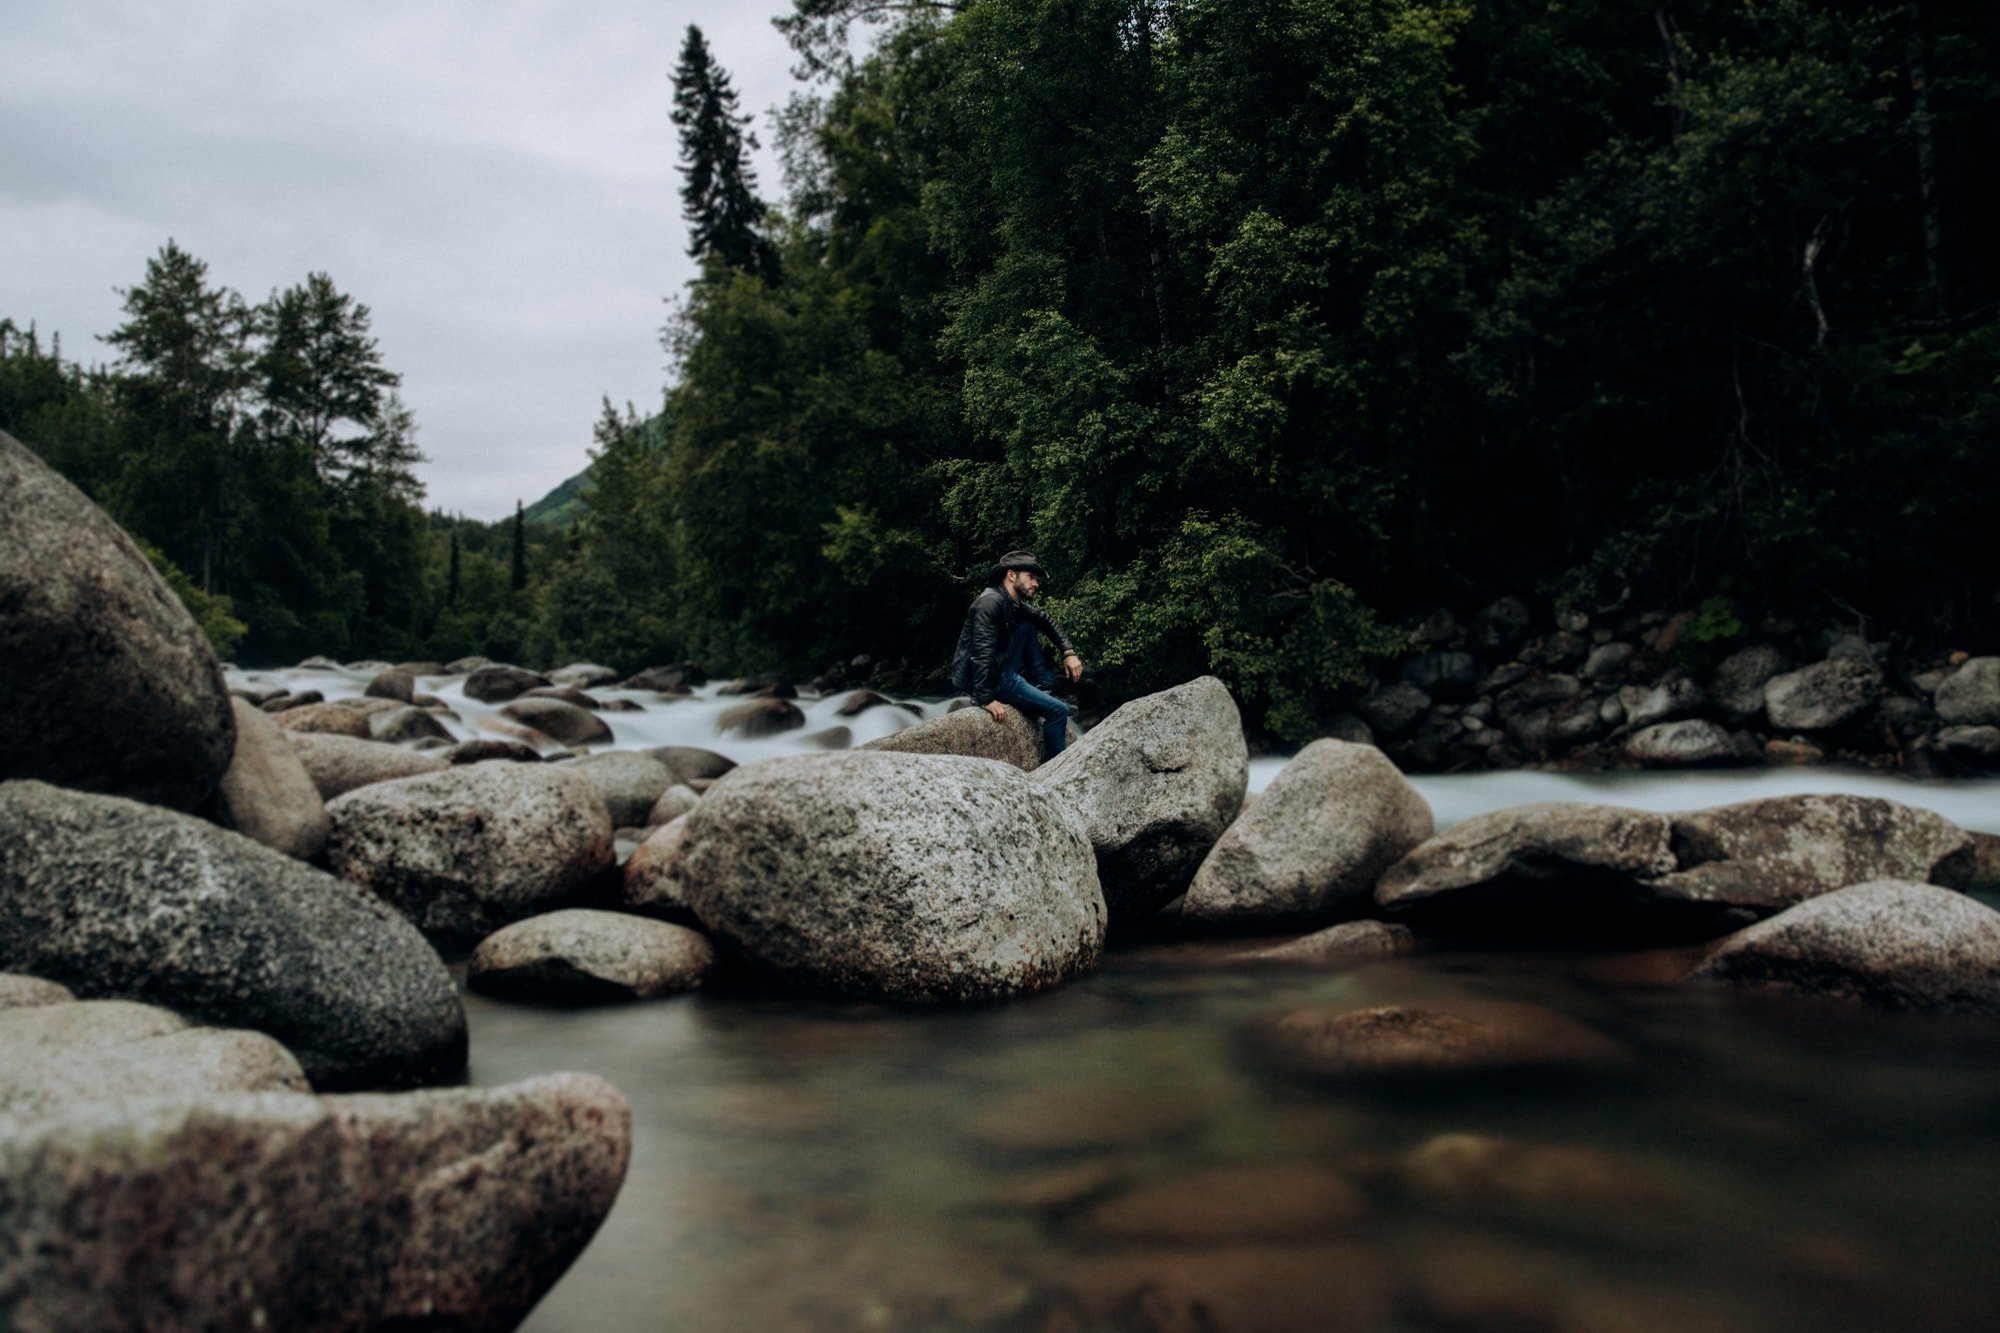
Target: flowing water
[[1092, 1157]]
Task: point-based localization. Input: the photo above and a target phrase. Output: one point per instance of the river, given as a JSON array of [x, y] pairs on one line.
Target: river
[[803, 1164]]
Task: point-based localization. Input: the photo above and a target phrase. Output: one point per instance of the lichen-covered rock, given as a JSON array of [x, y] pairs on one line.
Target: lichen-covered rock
[[1970, 696], [109, 684], [266, 793], [630, 781], [559, 720], [340, 764], [1312, 845], [1767, 855], [970, 731], [1823, 695], [53, 1055], [1890, 943], [474, 847], [1527, 860], [1689, 743], [1156, 783], [277, 1210], [580, 954], [117, 899], [910, 877]]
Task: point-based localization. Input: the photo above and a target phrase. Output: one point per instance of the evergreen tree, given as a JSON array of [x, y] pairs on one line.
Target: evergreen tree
[[518, 577], [718, 186]]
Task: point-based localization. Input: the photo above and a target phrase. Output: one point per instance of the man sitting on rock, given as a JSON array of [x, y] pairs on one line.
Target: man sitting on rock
[[999, 660]]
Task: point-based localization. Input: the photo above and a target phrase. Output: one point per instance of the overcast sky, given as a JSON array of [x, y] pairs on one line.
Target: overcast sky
[[495, 179]]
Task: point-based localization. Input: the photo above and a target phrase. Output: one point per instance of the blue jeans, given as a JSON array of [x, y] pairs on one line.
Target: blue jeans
[[1022, 664]]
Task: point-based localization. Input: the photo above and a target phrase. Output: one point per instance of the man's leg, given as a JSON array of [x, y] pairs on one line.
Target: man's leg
[[1050, 711]]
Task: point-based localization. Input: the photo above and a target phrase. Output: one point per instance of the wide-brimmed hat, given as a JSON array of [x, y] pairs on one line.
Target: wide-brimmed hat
[[1017, 560]]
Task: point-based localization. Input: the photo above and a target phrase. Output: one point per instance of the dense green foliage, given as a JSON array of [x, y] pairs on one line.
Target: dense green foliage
[[1264, 321]]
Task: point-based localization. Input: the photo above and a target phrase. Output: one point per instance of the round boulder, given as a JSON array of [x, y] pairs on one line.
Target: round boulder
[[970, 731], [1823, 695], [764, 716], [1310, 848], [559, 720], [394, 683], [340, 764], [691, 764], [579, 954], [630, 781], [1686, 744], [584, 675], [117, 899], [1890, 943], [674, 802], [649, 882], [908, 877], [109, 684], [266, 792], [474, 847], [1155, 783], [1970, 696], [497, 684], [1737, 687]]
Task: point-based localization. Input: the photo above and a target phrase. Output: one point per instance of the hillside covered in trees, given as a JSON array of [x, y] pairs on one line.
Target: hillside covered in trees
[[1265, 322]]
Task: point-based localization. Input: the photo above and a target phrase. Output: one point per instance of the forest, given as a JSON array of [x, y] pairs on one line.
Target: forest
[[1267, 323]]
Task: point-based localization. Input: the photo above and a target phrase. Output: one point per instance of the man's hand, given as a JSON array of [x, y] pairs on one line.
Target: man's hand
[[998, 709], [1072, 667]]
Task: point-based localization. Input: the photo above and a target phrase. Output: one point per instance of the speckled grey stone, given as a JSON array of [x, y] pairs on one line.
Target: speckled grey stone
[[266, 793], [280, 1210], [18, 990], [1689, 743], [340, 764], [1310, 848], [970, 731], [674, 802], [580, 954], [649, 881], [117, 899], [1970, 696], [1822, 695], [630, 781], [469, 849], [911, 877], [53, 1055], [109, 684]]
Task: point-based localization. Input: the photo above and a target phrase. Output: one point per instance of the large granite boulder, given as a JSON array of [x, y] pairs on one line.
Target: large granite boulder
[[1016, 740], [118, 899], [1822, 696], [1156, 783], [1312, 845], [339, 764], [453, 1209], [266, 793], [630, 781], [1970, 696], [1763, 856], [580, 954], [109, 684], [467, 850], [908, 877], [52, 1055], [1891, 943], [1529, 868]]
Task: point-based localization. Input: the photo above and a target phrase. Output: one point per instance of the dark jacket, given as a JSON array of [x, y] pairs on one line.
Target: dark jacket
[[989, 625]]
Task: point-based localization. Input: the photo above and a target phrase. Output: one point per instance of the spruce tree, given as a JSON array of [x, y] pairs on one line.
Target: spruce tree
[[519, 579], [718, 186]]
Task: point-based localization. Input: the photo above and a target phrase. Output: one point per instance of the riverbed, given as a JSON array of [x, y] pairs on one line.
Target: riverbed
[[817, 1165]]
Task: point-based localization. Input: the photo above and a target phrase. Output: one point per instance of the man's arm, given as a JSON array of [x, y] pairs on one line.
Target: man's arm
[[1072, 664]]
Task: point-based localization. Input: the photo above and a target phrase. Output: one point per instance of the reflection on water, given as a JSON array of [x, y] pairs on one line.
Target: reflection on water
[[1115, 1155]]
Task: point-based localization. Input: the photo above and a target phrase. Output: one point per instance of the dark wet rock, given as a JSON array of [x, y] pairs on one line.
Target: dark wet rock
[[766, 716], [1392, 710], [57, 1054], [392, 684], [1015, 740], [1985, 876], [1668, 701], [584, 675], [479, 751], [690, 764], [1501, 627], [1529, 866], [1259, 1288], [1694, 742], [1476, 1169], [674, 678], [416, 669], [674, 802], [1767, 855], [1609, 661], [1287, 1201], [767, 685], [1737, 686], [1905, 718], [109, 684], [340, 764], [1155, 783], [266, 793], [1505, 677], [1311, 847], [1974, 745], [650, 880], [630, 781], [860, 701], [474, 847], [1970, 696], [465, 666], [1349, 728], [1822, 696], [1400, 1042], [497, 684], [121, 900], [899, 876], [569, 694], [18, 990], [1433, 626], [401, 726], [454, 1209], [559, 721], [1895, 944], [286, 702], [1446, 677], [580, 954], [620, 706], [1561, 649], [1346, 945], [829, 738]]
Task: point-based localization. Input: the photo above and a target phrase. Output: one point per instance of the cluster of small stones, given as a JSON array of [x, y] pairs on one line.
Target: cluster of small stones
[[1510, 688]]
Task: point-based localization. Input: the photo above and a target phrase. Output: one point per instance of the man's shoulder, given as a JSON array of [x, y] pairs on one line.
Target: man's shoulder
[[990, 598]]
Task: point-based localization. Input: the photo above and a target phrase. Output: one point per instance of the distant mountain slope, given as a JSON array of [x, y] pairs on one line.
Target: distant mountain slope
[[562, 506]]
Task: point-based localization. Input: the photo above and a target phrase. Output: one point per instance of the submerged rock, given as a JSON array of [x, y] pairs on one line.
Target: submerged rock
[[1892, 944], [474, 847], [277, 1210], [911, 877], [1288, 1201], [109, 684], [118, 899], [1312, 845], [579, 954], [1346, 945], [1399, 1042], [1155, 783]]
